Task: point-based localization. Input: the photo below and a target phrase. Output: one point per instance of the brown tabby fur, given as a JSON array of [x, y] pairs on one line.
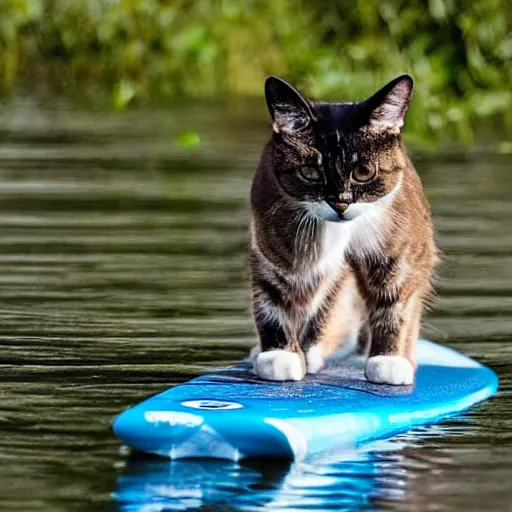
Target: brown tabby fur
[[318, 282]]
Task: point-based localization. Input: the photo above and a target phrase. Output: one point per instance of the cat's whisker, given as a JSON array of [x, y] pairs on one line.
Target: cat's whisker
[[311, 232], [272, 211], [302, 215]]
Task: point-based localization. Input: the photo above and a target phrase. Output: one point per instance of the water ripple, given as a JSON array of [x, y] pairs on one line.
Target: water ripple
[[123, 271]]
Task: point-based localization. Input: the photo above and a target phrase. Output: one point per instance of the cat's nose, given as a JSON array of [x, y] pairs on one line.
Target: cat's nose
[[341, 207]]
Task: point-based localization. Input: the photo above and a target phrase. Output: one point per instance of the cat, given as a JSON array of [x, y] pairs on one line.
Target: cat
[[342, 246]]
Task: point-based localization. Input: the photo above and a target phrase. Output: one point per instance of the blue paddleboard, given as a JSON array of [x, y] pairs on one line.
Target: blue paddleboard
[[231, 414]]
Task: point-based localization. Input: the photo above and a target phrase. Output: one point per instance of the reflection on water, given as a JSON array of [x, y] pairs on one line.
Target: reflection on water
[[371, 478], [357, 481], [123, 271], [158, 484]]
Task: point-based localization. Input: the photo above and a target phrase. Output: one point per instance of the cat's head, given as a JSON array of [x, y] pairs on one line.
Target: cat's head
[[338, 159]]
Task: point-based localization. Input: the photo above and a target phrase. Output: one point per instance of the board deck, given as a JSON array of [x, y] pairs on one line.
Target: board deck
[[231, 414]]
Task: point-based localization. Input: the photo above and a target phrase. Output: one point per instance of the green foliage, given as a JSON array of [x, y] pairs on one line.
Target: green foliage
[[459, 52], [188, 139]]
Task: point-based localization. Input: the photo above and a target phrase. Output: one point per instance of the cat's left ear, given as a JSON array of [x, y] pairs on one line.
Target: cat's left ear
[[289, 110], [386, 109]]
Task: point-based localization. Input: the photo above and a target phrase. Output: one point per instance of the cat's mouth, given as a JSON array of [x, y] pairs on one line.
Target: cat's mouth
[[340, 209], [330, 211]]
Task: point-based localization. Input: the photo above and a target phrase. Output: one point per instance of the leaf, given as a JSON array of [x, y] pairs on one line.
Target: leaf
[[188, 139], [124, 94]]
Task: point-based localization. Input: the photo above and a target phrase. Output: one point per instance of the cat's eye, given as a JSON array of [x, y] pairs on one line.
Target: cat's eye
[[309, 174], [364, 173]]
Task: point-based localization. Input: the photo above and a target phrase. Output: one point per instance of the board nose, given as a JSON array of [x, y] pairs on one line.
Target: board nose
[[216, 433]]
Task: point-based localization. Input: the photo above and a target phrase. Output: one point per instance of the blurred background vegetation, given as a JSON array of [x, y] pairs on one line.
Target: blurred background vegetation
[[132, 52]]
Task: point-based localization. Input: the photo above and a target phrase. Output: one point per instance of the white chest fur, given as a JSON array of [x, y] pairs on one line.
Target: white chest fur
[[360, 235]]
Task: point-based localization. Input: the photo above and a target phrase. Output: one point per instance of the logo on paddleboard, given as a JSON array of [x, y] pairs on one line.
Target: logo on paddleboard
[[211, 404]]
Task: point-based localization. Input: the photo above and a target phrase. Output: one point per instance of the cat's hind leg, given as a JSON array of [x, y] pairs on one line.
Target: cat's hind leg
[[334, 329]]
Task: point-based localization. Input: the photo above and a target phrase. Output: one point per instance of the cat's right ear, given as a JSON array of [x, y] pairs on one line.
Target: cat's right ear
[[386, 109], [289, 110]]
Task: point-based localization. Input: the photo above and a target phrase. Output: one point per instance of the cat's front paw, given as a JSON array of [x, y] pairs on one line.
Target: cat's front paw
[[279, 365], [395, 370], [315, 359]]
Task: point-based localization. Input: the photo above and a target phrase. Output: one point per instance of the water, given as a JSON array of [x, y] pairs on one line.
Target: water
[[123, 271]]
